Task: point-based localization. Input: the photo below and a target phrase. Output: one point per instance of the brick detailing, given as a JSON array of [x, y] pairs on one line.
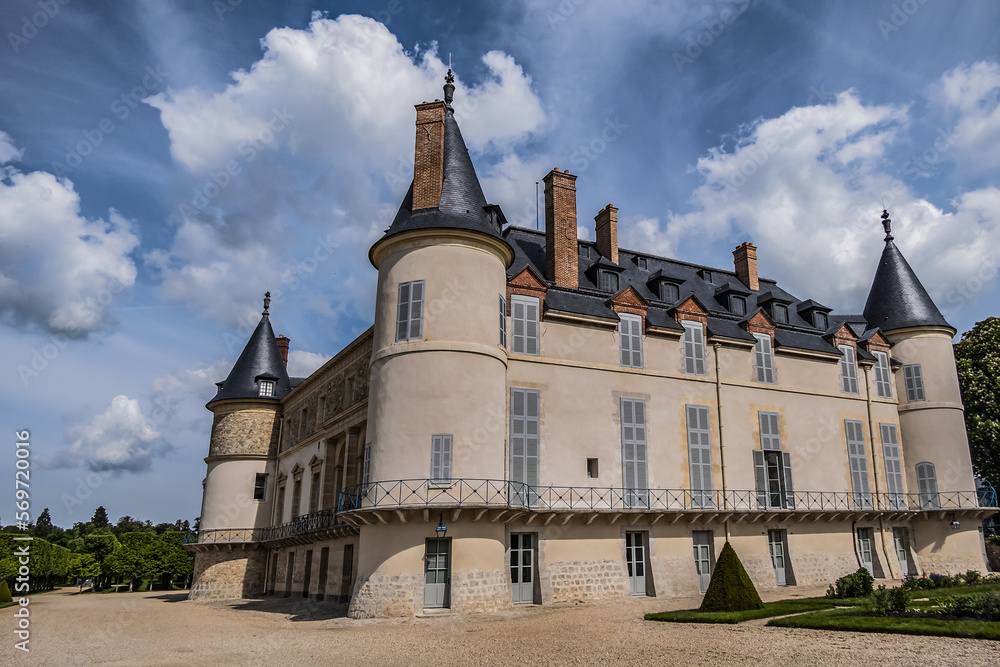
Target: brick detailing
[[244, 432], [630, 301], [588, 580], [283, 342], [745, 257], [382, 595], [607, 232], [227, 575], [877, 343], [480, 591], [561, 253], [690, 309], [428, 155], [761, 323], [844, 336], [527, 283]]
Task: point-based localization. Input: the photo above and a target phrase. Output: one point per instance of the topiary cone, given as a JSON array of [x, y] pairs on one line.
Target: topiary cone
[[730, 588], [4, 593]]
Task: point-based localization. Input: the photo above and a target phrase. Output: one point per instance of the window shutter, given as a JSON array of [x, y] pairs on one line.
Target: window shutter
[[403, 312], [417, 309], [634, 472], [517, 317], [786, 468], [914, 382], [441, 458], [446, 442], [770, 431], [694, 348], [848, 370], [760, 477], [524, 440], [700, 455], [517, 435], [883, 387], [531, 437], [624, 341], [893, 467], [503, 322], [858, 463], [637, 342], [531, 328], [927, 486], [764, 358], [366, 471]]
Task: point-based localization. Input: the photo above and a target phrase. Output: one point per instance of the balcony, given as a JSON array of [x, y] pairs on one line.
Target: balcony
[[324, 524]]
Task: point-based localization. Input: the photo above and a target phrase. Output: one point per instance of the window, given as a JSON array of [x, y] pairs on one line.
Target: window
[[503, 322], [700, 456], [694, 347], [859, 463], [630, 340], [584, 252], [267, 388], [927, 486], [866, 551], [707, 276], [772, 467], [737, 305], [848, 370], [780, 313], [901, 543], [609, 281], [524, 318], [669, 292], [260, 486], [297, 496], [302, 423], [641, 262], [914, 380], [314, 489], [525, 405], [820, 321], [635, 561], [322, 408], [777, 546], [437, 569], [764, 358], [366, 468], [280, 513], [410, 310], [592, 472], [893, 467], [441, 458], [883, 388], [703, 557], [633, 415]]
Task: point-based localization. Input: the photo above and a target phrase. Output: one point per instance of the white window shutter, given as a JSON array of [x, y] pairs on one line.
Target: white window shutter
[[786, 468], [760, 477], [403, 312], [858, 461]]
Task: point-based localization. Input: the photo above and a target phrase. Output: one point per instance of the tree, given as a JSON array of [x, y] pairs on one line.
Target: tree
[[101, 546], [978, 358], [84, 566], [730, 588], [100, 519], [132, 559], [43, 524]]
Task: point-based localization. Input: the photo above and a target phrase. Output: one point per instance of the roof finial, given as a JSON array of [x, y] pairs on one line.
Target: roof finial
[[267, 302], [449, 85], [887, 223]]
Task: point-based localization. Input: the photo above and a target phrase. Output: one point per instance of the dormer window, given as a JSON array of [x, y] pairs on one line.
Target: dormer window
[[669, 292], [738, 305], [779, 313], [266, 388], [609, 281], [821, 321], [584, 252], [641, 263], [707, 276]]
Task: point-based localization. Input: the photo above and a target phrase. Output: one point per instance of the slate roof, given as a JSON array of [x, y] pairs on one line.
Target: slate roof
[[260, 359], [897, 299], [589, 300]]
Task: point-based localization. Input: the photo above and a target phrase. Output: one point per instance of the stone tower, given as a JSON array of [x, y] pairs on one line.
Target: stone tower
[[239, 485]]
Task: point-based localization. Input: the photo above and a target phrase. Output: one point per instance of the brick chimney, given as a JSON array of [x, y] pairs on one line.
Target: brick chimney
[[607, 232], [561, 252], [746, 264], [283, 343], [428, 155]]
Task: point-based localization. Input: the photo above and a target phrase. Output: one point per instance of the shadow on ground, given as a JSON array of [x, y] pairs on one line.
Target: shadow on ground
[[296, 608], [172, 597]]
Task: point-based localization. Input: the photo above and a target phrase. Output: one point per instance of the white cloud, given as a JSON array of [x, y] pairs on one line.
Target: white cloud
[[119, 439], [8, 151], [59, 272], [806, 188], [302, 364], [320, 131], [198, 382], [970, 96]]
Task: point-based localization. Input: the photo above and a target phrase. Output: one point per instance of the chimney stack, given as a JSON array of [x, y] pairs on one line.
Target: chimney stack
[[607, 232], [283, 343], [561, 251], [746, 264], [428, 155]]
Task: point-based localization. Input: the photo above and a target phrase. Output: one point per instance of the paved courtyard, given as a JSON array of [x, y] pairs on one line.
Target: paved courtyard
[[165, 629]]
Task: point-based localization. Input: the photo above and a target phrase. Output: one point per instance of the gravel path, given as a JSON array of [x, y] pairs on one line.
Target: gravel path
[[165, 629]]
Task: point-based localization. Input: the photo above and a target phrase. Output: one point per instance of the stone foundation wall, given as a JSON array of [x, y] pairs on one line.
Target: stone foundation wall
[[480, 591], [761, 570], [383, 595], [227, 575], [675, 576], [945, 564], [587, 580], [813, 569]]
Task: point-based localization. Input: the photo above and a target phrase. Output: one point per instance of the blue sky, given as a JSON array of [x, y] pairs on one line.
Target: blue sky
[[162, 164]]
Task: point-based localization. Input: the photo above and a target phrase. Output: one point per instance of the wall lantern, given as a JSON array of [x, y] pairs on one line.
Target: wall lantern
[[441, 528], [954, 522]]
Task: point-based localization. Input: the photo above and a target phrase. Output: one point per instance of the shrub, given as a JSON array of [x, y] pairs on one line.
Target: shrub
[[889, 601], [980, 605], [730, 588], [880, 601], [973, 578], [5, 593], [857, 585]]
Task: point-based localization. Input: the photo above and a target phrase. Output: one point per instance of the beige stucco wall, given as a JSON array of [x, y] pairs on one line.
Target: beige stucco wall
[[228, 499]]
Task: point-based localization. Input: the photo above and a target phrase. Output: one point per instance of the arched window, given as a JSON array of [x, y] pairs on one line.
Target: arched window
[[927, 486]]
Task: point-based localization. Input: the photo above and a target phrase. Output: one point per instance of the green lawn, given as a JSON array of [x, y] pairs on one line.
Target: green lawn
[[853, 620], [779, 608]]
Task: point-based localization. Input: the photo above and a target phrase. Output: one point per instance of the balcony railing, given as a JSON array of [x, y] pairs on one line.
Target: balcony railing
[[221, 536], [410, 493], [307, 523]]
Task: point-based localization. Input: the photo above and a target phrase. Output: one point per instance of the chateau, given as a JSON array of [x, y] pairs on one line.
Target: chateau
[[534, 418]]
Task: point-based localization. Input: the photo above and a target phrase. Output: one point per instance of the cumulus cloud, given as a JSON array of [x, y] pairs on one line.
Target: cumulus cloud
[[806, 188], [313, 141], [59, 271], [969, 95], [119, 439], [302, 363], [8, 151]]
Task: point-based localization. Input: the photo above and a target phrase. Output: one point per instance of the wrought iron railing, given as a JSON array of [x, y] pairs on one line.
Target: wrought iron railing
[[503, 494], [307, 523], [221, 536]]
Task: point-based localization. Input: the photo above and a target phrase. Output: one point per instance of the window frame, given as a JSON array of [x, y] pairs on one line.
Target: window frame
[[764, 359], [260, 486], [265, 388], [893, 465], [674, 290], [883, 385], [857, 458], [525, 434], [441, 459], [414, 326], [503, 322], [779, 308], [913, 379], [699, 436], [634, 433], [769, 424], [821, 320], [526, 303], [929, 497], [737, 304], [694, 336], [606, 276], [630, 340], [848, 370]]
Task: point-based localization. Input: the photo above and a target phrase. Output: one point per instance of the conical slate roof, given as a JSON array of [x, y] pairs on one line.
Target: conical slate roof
[[260, 359], [897, 299], [462, 200]]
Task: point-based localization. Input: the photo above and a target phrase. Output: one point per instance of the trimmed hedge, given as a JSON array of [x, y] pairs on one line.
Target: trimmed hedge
[[730, 588]]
